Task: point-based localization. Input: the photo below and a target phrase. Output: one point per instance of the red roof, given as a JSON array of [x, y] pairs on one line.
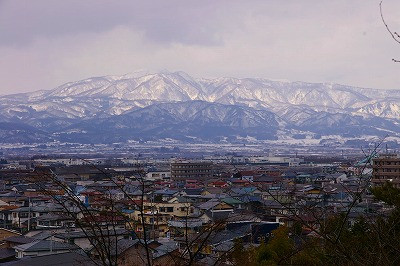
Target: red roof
[[247, 173], [219, 183], [8, 207], [191, 186], [240, 181]]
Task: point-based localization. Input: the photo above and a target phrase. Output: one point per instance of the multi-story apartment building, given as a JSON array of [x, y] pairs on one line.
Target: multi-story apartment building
[[386, 168], [183, 170]]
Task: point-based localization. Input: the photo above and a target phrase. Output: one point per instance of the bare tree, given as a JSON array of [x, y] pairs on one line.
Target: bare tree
[[104, 237], [395, 36], [331, 232]]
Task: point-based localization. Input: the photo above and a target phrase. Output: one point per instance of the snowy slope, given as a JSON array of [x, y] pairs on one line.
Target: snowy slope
[[311, 107], [115, 95]]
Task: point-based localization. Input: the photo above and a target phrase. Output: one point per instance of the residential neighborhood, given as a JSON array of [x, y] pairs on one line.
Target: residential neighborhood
[[185, 211]]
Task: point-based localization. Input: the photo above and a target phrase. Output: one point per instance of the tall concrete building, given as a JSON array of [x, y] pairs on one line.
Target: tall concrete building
[[182, 170], [386, 168]]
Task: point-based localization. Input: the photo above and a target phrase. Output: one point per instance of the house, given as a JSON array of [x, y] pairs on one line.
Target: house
[[7, 251], [6, 233], [158, 215], [158, 175], [53, 220], [164, 194], [215, 209], [238, 182], [115, 194], [244, 191], [186, 226], [6, 216], [84, 240], [237, 204], [167, 254], [218, 183], [13, 200], [215, 191], [43, 247], [216, 242], [128, 252], [6, 255], [193, 191], [60, 259], [192, 183], [266, 179], [133, 252], [105, 220], [16, 240], [23, 215]]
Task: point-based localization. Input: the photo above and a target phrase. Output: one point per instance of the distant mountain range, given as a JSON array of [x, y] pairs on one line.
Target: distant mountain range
[[144, 106]]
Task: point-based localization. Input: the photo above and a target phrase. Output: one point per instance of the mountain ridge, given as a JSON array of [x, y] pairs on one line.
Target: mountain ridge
[[309, 108]]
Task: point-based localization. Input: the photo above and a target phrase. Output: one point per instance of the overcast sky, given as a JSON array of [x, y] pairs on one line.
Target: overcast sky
[[45, 43]]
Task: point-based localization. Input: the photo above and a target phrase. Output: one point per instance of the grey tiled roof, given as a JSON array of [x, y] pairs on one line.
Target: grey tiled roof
[[122, 245], [81, 234], [209, 204], [6, 253], [43, 245], [164, 249], [63, 259], [19, 239], [54, 217]]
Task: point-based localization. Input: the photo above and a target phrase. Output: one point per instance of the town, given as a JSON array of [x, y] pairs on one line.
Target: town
[[176, 211], [197, 133]]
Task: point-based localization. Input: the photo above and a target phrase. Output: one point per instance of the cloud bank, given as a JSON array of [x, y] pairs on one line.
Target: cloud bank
[[45, 43]]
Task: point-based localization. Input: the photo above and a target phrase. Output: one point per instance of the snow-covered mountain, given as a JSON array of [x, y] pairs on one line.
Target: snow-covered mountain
[[188, 121], [152, 103]]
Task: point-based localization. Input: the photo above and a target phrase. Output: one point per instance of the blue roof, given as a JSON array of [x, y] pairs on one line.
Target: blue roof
[[165, 192], [127, 211], [249, 198]]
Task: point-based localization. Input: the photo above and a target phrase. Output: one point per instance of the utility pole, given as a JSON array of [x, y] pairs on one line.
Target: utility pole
[[152, 210], [51, 240], [29, 214], [51, 243]]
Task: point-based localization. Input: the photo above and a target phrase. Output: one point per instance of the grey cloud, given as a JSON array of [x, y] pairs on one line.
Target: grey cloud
[[190, 22], [44, 43]]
